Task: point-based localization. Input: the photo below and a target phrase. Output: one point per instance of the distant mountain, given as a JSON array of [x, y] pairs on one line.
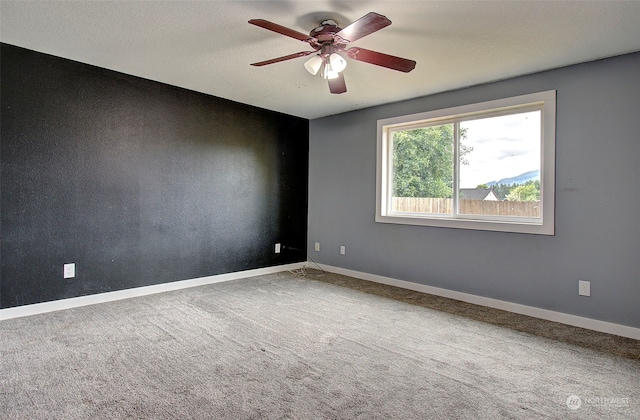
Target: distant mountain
[[520, 179]]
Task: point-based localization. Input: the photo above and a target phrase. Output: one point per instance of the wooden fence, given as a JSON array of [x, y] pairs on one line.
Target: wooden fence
[[482, 207]]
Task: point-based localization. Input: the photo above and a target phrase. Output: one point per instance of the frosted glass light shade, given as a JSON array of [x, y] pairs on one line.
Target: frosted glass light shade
[[313, 64], [337, 62]]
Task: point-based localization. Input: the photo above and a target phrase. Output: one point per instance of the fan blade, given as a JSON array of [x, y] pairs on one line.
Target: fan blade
[[337, 85], [364, 26], [381, 59], [280, 29], [284, 58]]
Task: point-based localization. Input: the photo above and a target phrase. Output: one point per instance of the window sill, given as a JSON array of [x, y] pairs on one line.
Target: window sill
[[536, 227]]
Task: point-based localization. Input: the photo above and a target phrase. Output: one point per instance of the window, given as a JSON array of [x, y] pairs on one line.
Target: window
[[485, 166]]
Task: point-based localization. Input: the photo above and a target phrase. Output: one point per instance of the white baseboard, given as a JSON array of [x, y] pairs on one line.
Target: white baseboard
[[57, 305], [576, 321]]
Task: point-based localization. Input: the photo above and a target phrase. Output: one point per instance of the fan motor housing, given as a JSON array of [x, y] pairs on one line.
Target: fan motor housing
[[325, 32]]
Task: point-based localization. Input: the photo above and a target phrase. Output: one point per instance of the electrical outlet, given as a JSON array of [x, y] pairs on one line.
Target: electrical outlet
[[316, 247], [343, 250], [277, 248], [69, 270], [584, 288]]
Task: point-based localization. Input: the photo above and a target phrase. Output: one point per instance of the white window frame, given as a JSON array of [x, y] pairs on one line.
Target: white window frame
[[545, 225]]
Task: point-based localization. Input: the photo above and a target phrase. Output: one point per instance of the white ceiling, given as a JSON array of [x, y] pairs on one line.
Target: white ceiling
[[207, 46]]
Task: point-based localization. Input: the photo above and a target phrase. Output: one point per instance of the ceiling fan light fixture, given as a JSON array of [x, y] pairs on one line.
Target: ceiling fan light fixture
[[313, 64], [328, 71], [333, 65]]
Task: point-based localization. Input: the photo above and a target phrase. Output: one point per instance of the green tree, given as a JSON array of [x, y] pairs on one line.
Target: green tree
[[423, 161], [526, 192], [503, 190]]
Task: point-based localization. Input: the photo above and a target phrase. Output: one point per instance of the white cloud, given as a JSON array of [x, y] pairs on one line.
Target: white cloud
[[503, 147]]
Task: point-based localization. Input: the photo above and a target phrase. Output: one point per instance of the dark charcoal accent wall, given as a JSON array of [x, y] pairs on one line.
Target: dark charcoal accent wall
[[138, 182]]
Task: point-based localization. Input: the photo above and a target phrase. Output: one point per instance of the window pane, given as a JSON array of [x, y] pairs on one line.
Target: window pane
[[422, 172], [500, 165]]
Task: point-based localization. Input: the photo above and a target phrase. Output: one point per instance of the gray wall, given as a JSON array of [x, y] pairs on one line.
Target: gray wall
[[597, 201]]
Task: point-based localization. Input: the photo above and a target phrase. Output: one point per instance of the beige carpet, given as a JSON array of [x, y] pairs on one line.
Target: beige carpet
[[321, 347]]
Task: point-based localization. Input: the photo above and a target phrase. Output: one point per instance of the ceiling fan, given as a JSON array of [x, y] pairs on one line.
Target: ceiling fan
[[328, 40]]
